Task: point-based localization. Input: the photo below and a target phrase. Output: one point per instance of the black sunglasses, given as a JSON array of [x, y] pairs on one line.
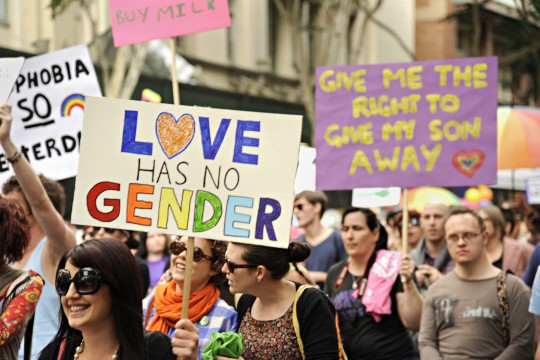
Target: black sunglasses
[[233, 266], [87, 281], [178, 247]]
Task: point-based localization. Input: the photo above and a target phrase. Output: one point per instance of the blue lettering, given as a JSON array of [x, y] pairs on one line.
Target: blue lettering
[[242, 141], [210, 149], [129, 144]]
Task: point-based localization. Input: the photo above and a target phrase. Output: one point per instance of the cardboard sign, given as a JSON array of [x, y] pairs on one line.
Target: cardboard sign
[[48, 106], [305, 176], [410, 124], [376, 197], [196, 171], [9, 70], [533, 190], [136, 21]]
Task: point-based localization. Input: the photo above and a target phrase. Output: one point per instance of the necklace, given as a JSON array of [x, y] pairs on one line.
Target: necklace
[[80, 349]]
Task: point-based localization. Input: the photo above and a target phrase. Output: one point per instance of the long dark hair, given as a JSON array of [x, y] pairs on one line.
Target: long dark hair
[[274, 259], [13, 232], [121, 273], [372, 223]]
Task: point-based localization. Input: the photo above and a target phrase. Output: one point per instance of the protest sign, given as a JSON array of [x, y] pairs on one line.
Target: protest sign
[[305, 176], [48, 105], [138, 21], [409, 124], [196, 171], [9, 70], [376, 197], [533, 190]]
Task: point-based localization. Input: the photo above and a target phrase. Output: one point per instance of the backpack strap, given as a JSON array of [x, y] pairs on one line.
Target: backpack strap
[[148, 312], [502, 295], [296, 324]]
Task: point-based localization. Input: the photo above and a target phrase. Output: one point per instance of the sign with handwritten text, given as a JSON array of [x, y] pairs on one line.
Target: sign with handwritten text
[[9, 70], [136, 21], [47, 107], [196, 171], [409, 124]]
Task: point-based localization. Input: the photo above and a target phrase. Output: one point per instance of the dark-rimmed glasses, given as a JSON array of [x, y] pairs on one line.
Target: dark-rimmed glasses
[[233, 266], [178, 247], [87, 281], [467, 237]]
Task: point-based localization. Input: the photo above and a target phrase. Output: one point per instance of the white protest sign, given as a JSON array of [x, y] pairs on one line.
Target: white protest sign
[[48, 106], [376, 197], [305, 176], [9, 70], [196, 171], [533, 190]]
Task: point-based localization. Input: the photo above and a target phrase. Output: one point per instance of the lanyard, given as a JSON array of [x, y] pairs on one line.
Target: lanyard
[[361, 283]]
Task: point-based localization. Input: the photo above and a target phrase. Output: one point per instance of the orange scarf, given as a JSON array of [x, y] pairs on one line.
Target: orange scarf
[[168, 304]]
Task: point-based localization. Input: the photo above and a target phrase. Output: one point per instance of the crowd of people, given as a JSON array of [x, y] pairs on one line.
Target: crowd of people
[[461, 290]]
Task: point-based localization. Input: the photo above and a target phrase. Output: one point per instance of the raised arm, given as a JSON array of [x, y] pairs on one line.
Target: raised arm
[[60, 237]]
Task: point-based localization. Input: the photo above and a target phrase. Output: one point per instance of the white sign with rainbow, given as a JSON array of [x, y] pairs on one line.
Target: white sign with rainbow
[[48, 108]]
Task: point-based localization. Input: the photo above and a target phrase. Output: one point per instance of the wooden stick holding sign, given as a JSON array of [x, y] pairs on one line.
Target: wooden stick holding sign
[[174, 77], [187, 277], [405, 223], [186, 291], [405, 226]]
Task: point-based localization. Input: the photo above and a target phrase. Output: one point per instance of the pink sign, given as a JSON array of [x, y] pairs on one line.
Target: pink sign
[[135, 21], [410, 124]]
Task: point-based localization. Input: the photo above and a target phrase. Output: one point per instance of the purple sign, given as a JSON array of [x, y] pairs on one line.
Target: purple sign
[[410, 124]]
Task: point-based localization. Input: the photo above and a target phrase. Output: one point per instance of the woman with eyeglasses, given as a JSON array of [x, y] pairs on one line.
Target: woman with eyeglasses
[[209, 313], [278, 319], [19, 290], [414, 233], [374, 293], [101, 313]]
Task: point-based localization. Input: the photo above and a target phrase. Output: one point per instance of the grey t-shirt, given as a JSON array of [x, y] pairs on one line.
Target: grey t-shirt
[[461, 319]]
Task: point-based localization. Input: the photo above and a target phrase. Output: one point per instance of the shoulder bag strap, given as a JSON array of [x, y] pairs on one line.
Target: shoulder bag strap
[[148, 312], [296, 323], [502, 296]]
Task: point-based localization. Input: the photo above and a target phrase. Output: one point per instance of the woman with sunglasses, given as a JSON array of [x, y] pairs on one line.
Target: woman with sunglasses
[[206, 309], [374, 293], [101, 314], [19, 290], [278, 319]]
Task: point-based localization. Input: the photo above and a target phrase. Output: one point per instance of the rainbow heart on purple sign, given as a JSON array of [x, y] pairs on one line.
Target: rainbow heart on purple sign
[[468, 162]]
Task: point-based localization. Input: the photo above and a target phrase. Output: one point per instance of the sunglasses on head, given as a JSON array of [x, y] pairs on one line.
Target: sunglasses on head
[[178, 247], [233, 266], [87, 281]]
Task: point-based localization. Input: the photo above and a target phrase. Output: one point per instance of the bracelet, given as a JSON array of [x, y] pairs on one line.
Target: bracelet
[[15, 157]]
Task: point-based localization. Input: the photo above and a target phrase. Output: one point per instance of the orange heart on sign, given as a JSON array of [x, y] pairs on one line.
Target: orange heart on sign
[[468, 162], [174, 136]]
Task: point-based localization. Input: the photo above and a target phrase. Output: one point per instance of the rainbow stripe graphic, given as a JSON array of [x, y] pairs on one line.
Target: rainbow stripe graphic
[[71, 102]]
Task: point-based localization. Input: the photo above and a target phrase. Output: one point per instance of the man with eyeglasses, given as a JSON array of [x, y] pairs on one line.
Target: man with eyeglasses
[[431, 254], [476, 311], [326, 244], [43, 203]]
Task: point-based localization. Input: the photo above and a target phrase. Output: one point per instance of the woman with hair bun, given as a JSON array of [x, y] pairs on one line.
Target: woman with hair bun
[[277, 318]]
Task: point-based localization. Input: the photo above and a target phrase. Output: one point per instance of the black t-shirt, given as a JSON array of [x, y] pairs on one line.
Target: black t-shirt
[[363, 338]]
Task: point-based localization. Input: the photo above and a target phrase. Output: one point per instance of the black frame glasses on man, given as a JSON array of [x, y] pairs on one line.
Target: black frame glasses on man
[[87, 281], [231, 266], [178, 247]]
